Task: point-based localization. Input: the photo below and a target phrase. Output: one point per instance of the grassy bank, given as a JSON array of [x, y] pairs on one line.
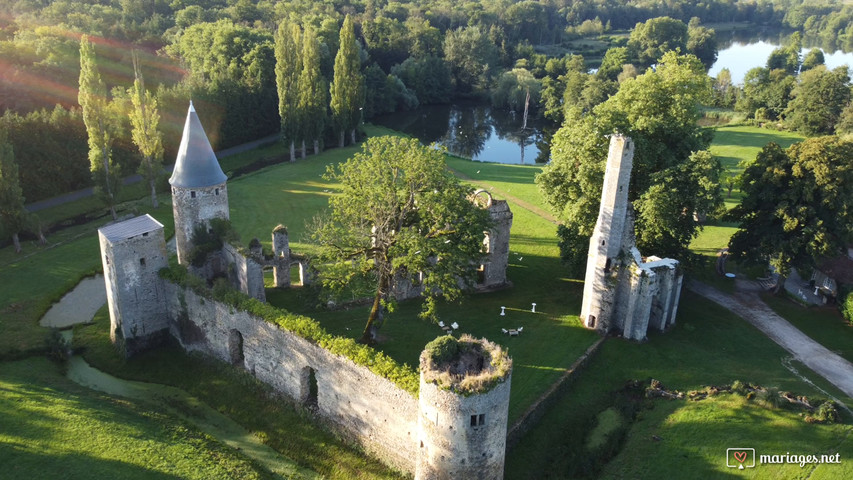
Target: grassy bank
[[53, 428], [709, 346], [236, 394]]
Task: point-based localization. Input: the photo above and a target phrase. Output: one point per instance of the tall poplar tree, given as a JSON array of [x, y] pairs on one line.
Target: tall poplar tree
[[12, 213], [98, 119], [348, 85], [312, 92], [288, 66], [145, 120]]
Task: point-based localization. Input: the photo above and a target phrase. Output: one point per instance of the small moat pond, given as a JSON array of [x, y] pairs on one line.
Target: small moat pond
[[472, 130]]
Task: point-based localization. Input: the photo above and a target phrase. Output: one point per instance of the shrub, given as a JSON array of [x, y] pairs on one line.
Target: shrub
[[846, 305], [770, 397], [827, 412], [442, 349]]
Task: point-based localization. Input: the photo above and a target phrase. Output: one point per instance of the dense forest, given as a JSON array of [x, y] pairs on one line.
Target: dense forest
[[222, 55]]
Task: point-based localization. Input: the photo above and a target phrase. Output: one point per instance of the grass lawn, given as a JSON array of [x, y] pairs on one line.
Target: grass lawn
[[694, 437], [708, 346], [553, 337], [53, 428]]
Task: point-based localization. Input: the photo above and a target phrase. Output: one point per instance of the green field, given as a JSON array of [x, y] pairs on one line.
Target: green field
[[577, 436]]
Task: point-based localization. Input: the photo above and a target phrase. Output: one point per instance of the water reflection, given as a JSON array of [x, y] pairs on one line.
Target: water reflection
[[472, 131]]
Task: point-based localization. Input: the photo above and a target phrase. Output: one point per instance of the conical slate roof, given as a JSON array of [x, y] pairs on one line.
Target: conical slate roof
[[196, 165]]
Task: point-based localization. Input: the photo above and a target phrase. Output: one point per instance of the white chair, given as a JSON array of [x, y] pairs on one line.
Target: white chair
[[441, 324], [505, 331], [455, 325], [520, 329]]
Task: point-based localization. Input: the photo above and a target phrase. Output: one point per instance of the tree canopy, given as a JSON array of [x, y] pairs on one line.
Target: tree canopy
[[671, 179], [798, 204], [13, 217], [399, 212], [100, 125]]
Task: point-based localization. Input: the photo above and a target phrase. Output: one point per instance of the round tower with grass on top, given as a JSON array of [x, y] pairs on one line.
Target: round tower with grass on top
[[199, 193], [463, 409]]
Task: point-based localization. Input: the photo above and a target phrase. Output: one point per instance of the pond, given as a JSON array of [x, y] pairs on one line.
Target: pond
[[471, 130], [743, 50]]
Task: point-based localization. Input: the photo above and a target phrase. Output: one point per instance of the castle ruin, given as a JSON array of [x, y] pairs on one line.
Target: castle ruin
[[624, 292], [441, 434]]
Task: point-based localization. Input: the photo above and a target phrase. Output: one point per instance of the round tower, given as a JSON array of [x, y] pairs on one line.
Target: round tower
[[199, 193], [463, 405]]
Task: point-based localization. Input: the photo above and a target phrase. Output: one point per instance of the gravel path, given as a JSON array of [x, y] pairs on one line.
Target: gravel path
[[746, 304], [77, 306]]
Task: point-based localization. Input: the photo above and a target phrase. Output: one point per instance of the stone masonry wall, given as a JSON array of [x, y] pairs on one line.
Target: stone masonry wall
[[244, 272], [362, 406], [135, 293], [462, 437], [196, 206]]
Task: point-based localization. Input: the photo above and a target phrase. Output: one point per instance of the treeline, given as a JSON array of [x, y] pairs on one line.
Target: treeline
[[221, 54]]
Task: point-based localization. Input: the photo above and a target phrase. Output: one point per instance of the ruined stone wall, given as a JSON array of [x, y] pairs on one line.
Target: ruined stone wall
[[245, 273], [462, 437], [498, 239], [196, 206], [135, 292], [362, 406]]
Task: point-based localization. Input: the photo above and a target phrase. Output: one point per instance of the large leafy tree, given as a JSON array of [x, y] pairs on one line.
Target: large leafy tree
[[288, 68], [472, 57], [348, 85], [671, 178], [798, 204], [702, 42], [146, 135], [399, 212], [818, 100], [99, 118], [651, 39], [12, 214]]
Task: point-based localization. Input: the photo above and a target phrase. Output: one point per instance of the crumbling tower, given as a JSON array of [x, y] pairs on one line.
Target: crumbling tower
[[199, 193], [463, 434], [608, 237], [495, 243], [133, 252]]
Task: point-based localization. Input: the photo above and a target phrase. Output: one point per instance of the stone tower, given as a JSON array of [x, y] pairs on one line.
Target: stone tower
[[463, 435], [133, 252], [199, 193], [496, 242], [608, 237], [623, 292]]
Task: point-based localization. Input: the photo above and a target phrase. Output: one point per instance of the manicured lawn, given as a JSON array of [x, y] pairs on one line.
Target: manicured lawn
[[708, 346], [53, 428]]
